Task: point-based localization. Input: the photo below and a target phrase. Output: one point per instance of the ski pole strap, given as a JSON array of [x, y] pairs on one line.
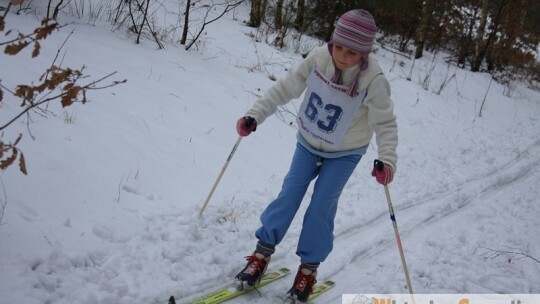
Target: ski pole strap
[[248, 120], [378, 164]]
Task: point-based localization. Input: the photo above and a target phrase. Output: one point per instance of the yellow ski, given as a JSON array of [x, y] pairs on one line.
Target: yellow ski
[[227, 294], [320, 288]]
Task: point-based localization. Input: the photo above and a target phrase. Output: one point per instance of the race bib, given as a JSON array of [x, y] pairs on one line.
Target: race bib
[[327, 110]]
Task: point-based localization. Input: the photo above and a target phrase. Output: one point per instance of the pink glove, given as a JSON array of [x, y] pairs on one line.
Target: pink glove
[[383, 173], [246, 125]]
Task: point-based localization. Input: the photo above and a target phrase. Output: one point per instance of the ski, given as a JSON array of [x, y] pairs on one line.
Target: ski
[[229, 293], [318, 290]]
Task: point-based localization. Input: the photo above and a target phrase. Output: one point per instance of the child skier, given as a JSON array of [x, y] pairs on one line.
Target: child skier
[[347, 100]]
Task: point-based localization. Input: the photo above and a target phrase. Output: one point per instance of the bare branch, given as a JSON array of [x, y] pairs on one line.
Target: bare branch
[[31, 36], [7, 10], [89, 86], [515, 254], [3, 203], [227, 9], [55, 83]]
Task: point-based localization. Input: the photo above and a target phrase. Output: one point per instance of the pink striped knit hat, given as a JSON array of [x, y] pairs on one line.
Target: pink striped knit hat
[[356, 30]]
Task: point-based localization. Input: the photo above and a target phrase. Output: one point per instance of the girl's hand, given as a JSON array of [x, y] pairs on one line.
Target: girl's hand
[[383, 173], [246, 125]]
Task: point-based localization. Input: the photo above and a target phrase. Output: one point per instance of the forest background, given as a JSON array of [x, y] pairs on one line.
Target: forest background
[[497, 36], [113, 188]]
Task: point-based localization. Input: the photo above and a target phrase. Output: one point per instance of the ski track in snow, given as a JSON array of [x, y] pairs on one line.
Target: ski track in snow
[[442, 204]]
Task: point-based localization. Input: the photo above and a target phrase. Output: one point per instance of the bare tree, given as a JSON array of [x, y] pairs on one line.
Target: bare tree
[[300, 13], [145, 15], [479, 45], [228, 7], [422, 28], [278, 15], [186, 24], [57, 9], [256, 14], [285, 23]]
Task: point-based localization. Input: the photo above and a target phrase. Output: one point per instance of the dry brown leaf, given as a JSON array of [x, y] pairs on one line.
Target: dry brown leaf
[[2, 24], [25, 92], [16, 2], [37, 47], [70, 96], [68, 86], [22, 164], [15, 48], [40, 88], [59, 76], [9, 161], [46, 30]]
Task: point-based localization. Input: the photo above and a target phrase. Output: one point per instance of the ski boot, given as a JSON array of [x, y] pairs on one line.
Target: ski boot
[[254, 270], [303, 285]]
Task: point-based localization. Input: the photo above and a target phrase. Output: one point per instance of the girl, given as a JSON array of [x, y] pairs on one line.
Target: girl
[[347, 100]]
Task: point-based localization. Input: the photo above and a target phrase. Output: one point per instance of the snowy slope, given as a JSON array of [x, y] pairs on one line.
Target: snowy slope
[[109, 210]]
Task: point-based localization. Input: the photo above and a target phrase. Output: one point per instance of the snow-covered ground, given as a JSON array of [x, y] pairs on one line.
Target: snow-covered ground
[[109, 210]]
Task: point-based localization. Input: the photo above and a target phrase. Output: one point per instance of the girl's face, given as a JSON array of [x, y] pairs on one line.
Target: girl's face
[[344, 57]]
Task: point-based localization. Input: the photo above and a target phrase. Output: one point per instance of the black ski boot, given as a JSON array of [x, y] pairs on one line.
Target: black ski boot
[[303, 285], [254, 270]]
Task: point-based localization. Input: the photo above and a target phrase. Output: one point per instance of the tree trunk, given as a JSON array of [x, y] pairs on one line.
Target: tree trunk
[[479, 51], [186, 24], [263, 7], [467, 41], [143, 21], [278, 15], [255, 15], [301, 10], [422, 28], [48, 9]]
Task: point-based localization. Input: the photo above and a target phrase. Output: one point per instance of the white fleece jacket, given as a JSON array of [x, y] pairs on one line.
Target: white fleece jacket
[[375, 116]]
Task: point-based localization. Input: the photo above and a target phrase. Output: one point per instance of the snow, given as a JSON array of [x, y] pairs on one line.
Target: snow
[[108, 212]]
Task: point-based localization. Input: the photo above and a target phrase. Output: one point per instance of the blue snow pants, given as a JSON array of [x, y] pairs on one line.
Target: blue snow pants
[[316, 237]]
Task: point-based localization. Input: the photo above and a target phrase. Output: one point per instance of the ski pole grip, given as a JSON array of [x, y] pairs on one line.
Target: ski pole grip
[[379, 165]]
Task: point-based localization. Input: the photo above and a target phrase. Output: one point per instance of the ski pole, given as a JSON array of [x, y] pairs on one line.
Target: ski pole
[[380, 166], [220, 175]]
